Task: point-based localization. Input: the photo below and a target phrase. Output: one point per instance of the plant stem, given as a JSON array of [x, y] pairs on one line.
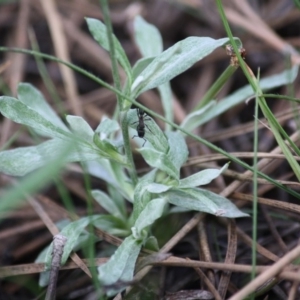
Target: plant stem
[[50, 86], [216, 87], [92, 240], [120, 99], [127, 148], [254, 206], [276, 130], [112, 53]]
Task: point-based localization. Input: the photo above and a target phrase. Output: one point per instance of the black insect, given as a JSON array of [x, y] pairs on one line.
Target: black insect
[[140, 128]]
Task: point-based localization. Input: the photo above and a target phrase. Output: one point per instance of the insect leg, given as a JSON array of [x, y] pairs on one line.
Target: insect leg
[[140, 138], [148, 128], [144, 142]]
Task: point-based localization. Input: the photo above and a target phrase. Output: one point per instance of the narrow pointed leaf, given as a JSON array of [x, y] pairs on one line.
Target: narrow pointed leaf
[[18, 112], [107, 149], [112, 173], [160, 161], [149, 41], [153, 210], [267, 83], [178, 151], [141, 195], [140, 65], [80, 128], [205, 201], [120, 266], [147, 37], [194, 119], [175, 61], [34, 99], [166, 99], [23, 160], [107, 126], [157, 188], [106, 202], [99, 33], [112, 225], [33, 182], [72, 231], [201, 178]]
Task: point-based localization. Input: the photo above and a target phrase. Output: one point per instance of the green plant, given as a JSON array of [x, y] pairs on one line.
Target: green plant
[[100, 151]]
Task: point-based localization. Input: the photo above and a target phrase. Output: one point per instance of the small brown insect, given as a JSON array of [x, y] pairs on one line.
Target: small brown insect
[[233, 58]]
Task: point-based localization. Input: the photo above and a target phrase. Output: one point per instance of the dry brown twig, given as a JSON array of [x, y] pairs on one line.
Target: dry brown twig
[[271, 272]]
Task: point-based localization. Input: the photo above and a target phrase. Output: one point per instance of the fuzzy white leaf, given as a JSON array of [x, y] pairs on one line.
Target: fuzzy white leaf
[[201, 178]]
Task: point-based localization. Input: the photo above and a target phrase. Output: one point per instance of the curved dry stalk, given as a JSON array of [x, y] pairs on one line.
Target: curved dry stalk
[[204, 249], [209, 284], [271, 272], [230, 258], [59, 242]]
